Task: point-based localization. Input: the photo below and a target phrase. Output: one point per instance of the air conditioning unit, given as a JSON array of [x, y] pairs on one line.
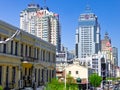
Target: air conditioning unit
[[20, 83]]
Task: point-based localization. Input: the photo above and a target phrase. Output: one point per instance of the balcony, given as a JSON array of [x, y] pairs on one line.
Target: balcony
[[29, 59]]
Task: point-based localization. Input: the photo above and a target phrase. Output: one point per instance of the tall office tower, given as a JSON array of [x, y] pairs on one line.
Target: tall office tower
[[41, 23], [115, 55], [87, 35], [106, 42]]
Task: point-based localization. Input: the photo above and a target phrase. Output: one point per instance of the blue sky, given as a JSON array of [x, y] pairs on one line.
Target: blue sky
[[108, 12]]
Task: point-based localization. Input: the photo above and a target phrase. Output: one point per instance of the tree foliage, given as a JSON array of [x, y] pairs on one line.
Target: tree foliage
[[1, 88], [57, 85], [95, 80], [71, 83]]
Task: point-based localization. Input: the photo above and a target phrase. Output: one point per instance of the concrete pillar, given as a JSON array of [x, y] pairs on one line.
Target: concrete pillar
[[8, 47], [17, 70], [13, 47], [23, 49], [3, 75], [1, 45], [19, 48], [10, 74]]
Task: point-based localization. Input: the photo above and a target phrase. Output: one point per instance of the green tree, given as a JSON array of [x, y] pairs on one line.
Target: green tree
[[55, 85], [71, 83], [95, 80]]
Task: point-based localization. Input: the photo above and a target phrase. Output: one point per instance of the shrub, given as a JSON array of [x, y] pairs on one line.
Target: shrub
[[1, 88]]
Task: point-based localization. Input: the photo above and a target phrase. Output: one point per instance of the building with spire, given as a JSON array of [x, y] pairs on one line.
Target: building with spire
[[105, 42], [87, 35], [111, 54], [41, 23]]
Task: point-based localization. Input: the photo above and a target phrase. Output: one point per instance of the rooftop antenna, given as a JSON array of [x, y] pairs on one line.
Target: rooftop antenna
[[87, 9], [45, 3], [45, 6]]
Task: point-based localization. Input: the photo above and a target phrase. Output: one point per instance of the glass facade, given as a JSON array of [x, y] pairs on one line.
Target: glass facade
[[87, 35]]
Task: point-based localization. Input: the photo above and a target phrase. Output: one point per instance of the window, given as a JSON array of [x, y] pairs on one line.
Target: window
[[21, 49], [25, 71], [35, 74], [34, 52], [30, 50], [13, 74], [11, 47], [37, 53], [47, 75], [49, 57], [69, 72], [7, 71], [42, 75], [26, 49], [4, 47], [16, 48], [39, 75], [76, 72], [43, 55]]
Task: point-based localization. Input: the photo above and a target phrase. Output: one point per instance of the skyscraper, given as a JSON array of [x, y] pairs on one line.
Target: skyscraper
[[105, 42], [115, 55], [41, 23], [87, 35]]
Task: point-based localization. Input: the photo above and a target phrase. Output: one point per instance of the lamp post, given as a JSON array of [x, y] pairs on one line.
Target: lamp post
[[87, 79], [65, 67]]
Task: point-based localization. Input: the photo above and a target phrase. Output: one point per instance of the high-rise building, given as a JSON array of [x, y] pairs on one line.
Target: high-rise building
[[115, 55], [87, 35], [105, 42], [41, 23]]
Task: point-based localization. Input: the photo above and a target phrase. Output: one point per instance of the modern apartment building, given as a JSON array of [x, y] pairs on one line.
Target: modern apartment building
[[42, 23], [87, 35], [26, 60]]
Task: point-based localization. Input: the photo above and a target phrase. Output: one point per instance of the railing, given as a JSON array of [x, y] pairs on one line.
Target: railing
[[29, 59]]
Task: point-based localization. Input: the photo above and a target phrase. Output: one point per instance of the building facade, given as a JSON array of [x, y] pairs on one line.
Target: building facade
[[87, 35], [105, 41], [26, 60], [75, 70], [41, 23], [115, 55]]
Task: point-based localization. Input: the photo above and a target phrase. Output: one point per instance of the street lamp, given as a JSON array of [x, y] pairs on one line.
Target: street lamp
[[65, 66], [64, 57], [87, 73]]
